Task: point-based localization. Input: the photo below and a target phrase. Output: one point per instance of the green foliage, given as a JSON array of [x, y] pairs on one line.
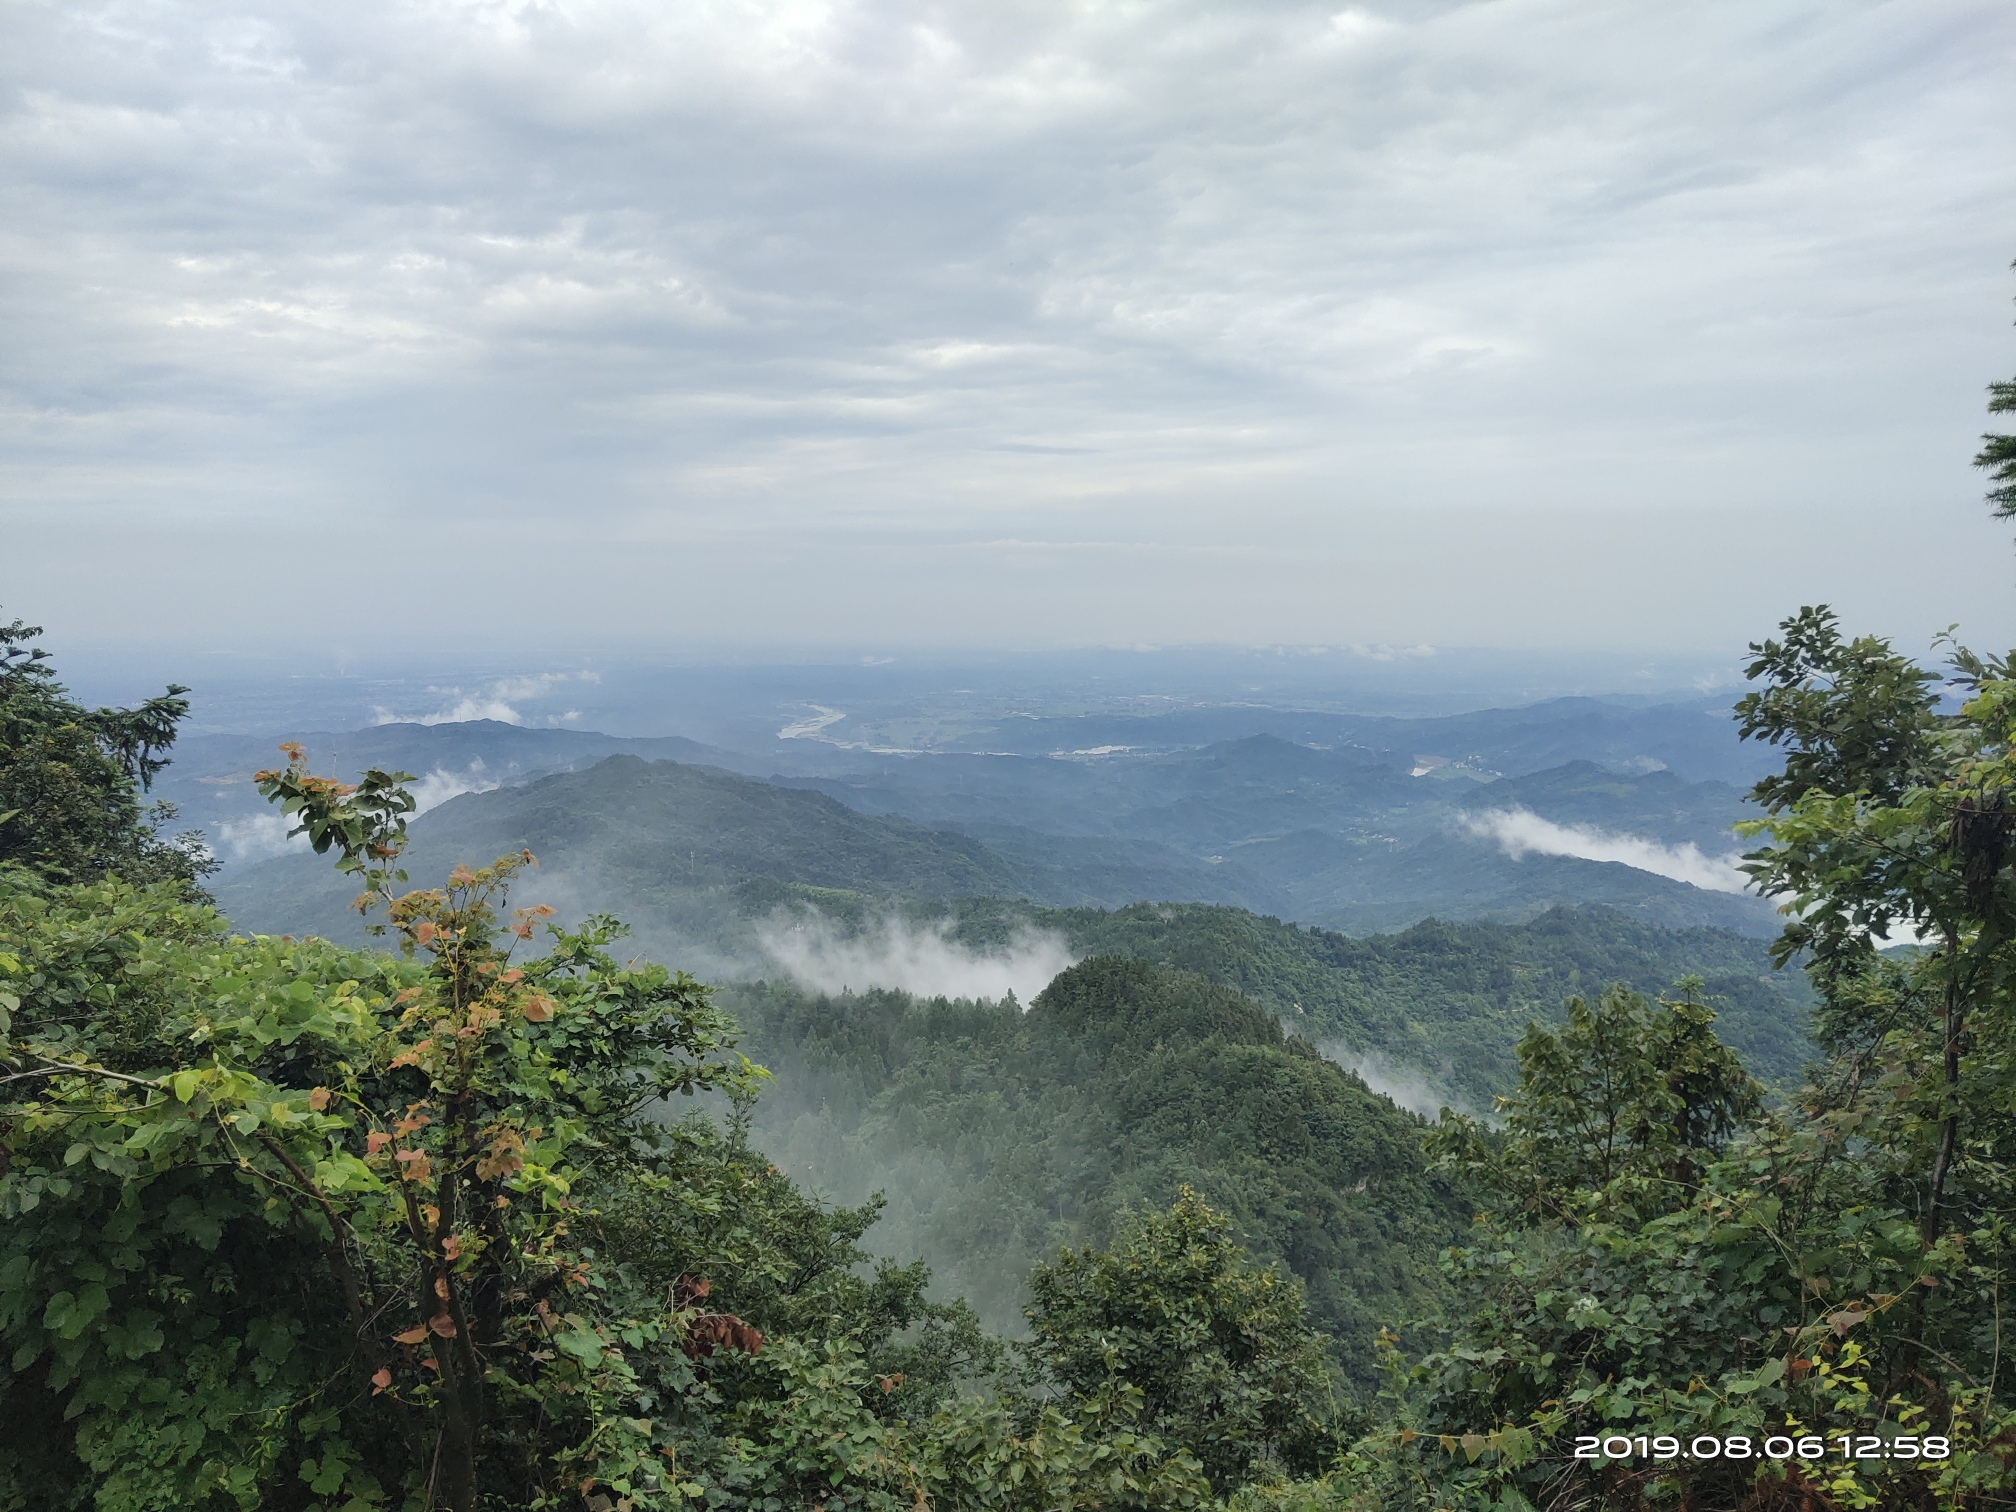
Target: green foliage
[[1779, 1296], [1002, 1135], [1219, 1349], [365, 821], [273, 1179], [1834, 1268], [1872, 831], [1851, 716], [70, 777], [1625, 1097], [1454, 999], [1998, 453], [293, 1226]]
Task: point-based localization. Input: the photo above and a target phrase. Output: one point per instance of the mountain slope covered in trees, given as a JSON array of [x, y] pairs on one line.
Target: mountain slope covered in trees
[[999, 1135], [667, 844]]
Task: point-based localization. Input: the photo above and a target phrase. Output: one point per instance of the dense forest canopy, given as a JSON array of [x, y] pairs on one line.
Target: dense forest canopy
[[300, 1225], [1003, 1135]]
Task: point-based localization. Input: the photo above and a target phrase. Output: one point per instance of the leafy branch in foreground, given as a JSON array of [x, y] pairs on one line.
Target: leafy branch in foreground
[[297, 1227]]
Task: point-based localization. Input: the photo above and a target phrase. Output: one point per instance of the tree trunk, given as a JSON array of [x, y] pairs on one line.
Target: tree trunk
[[1949, 1126]]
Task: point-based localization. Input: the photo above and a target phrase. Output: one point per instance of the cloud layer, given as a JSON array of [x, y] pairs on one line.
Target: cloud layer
[[1418, 320], [911, 958], [1521, 831]]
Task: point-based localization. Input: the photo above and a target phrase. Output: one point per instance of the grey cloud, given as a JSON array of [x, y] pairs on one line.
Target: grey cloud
[[690, 289]]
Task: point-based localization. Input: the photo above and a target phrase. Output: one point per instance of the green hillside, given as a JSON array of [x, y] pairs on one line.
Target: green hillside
[[998, 1135], [1454, 998], [699, 858], [677, 847], [1343, 837], [1658, 805]]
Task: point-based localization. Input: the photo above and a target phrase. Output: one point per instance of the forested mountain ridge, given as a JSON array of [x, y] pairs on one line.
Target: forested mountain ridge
[[998, 1135], [694, 855], [659, 841], [1660, 805], [1453, 998], [667, 843], [1691, 737]]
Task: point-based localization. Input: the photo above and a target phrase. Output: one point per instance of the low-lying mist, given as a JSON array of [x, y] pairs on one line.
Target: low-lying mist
[[1520, 830], [1408, 1086], [921, 959]]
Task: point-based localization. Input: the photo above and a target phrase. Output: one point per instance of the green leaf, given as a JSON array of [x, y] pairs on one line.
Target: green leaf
[[581, 1344]]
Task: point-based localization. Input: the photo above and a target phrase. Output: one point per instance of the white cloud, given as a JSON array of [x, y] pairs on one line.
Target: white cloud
[[498, 701], [439, 785], [1519, 831], [1406, 1085], [257, 836], [920, 959]]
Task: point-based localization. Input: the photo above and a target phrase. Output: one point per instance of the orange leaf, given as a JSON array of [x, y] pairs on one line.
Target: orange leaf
[[375, 1142], [411, 1336], [513, 975], [319, 1099], [443, 1325], [538, 1009], [423, 933], [461, 876], [381, 1381]]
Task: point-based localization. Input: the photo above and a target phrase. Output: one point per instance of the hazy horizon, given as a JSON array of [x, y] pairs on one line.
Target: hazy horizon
[[720, 698]]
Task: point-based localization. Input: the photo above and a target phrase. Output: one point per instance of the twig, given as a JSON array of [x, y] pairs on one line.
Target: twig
[[346, 1273]]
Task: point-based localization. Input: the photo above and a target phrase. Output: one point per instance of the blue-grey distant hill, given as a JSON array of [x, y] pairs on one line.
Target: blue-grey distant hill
[[661, 842], [210, 780], [667, 844], [1696, 739]]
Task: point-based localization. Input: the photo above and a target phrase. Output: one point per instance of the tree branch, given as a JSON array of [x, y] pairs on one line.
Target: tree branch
[[353, 1291]]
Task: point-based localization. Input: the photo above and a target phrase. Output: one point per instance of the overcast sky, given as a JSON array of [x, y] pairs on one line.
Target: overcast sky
[[1520, 323]]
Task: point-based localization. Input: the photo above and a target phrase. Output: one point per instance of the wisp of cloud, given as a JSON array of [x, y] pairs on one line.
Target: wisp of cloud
[[439, 785], [1520, 830], [497, 702], [1406, 1085], [257, 836], [920, 959]]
